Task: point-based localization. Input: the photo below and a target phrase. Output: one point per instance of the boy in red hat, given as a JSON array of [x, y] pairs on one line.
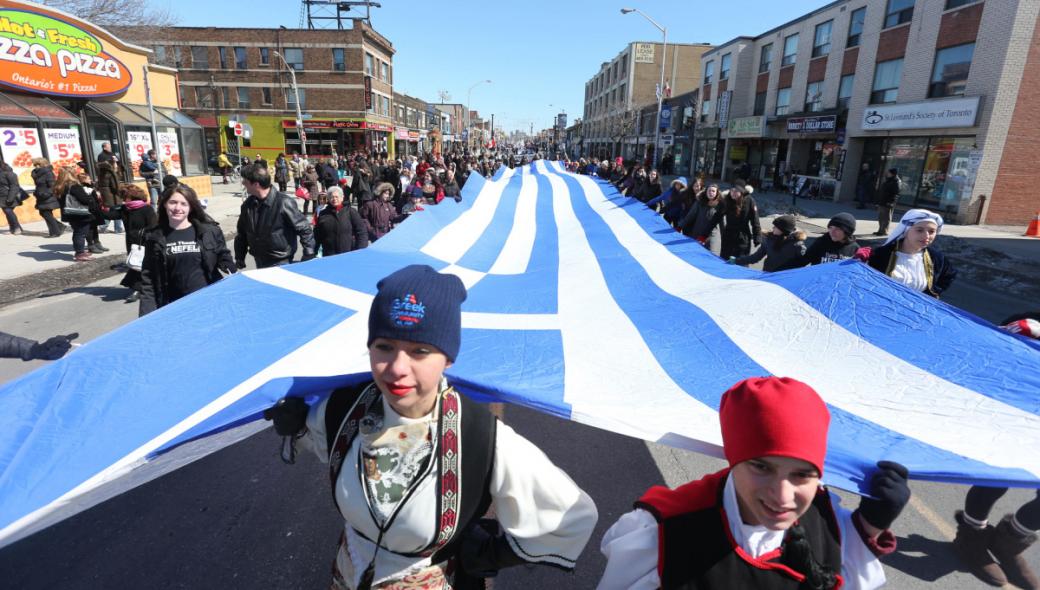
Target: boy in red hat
[[766, 521]]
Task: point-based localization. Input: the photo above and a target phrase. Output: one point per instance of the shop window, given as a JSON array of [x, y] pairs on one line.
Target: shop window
[[240, 58], [384, 72], [899, 12], [760, 104], [814, 97], [951, 4], [369, 64], [950, 72], [845, 91], [265, 56], [886, 81], [294, 57], [859, 16], [203, 97], [243, 98], [705, 110], [227, 97], [339, 60], [945, 178], [790, 50], [290, 98], [765, 59], [200, 58], [222, 53], [822, 39], [724, 66], [709, 70], [783, 101]]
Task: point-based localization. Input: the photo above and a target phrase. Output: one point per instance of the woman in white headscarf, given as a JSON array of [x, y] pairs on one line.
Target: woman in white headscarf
[[908, 257]]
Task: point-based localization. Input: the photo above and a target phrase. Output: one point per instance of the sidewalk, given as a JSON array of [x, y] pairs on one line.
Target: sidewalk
[[33, 252]]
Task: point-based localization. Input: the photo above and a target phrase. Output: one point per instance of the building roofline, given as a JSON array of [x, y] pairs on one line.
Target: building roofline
[[760, 36]]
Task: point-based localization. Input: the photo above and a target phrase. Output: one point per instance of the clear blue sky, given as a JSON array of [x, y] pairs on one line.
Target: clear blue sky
[[535, 52]]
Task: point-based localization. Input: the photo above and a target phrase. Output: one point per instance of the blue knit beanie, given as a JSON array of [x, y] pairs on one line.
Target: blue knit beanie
[[418, 304]]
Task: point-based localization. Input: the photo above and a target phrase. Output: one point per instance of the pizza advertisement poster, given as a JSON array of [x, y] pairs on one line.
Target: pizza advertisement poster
[[19, 145], [63, 147], [137, 145], [169, 153]]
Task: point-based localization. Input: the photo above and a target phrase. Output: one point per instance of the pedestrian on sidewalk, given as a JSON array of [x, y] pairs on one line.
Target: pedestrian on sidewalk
[[107, 186], [10, 197], [184, 252], [416, 465], [46, 201], [887, 198], [80, 208], [224, 164], [270, 225], [312, 186], [281, 172], [741, 228], [766, 521], [149, 170], [782, 247], [865, 186], [909, 258], [836, 244], [138, 216]]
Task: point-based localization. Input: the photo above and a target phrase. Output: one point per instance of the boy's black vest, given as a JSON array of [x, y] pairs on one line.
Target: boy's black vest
[[465, 457], [696, 547]]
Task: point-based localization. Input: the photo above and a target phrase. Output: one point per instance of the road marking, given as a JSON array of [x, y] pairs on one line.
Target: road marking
[[941, 524]]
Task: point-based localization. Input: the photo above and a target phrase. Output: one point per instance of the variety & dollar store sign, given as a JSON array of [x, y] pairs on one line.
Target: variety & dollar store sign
[[46, 55]]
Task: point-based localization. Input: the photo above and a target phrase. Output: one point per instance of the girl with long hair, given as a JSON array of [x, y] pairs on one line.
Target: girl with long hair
[[80, 208]]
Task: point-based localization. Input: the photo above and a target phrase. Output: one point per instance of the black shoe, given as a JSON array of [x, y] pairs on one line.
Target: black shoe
[[132, 297], [881, 233]]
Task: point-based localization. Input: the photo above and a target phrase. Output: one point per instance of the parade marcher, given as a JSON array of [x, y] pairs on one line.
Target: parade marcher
[[739, 213], [184, 252], [909, 258], [224, 165], [107, 186], [312, 184], [450, 188], [994, 554], [51, 349], [699, 222], [339, 227], [46, 201], [281, 173], [783, 247], [78, 208], [766, 521], [838, 243], [413, 517], [647, 187], [296, 168], [10, 197], [269, 223], [669, 202], [887, 197], [379, 213]]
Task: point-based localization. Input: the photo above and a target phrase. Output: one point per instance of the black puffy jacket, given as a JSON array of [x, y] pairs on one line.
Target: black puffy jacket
[[268, 229], [44, 178], [155, 278], [340, 231]]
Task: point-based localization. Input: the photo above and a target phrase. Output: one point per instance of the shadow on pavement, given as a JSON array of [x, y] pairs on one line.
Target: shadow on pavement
[[923, 558], [103, 293], [53, 251]]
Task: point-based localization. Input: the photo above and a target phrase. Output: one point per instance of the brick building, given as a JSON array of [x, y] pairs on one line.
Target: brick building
[[943, 90], [344, 78], [629, 81]]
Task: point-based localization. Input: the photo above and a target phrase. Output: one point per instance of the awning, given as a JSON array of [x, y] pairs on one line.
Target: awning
[[179, 118], [119, 113], [160, 119], [20, 107]]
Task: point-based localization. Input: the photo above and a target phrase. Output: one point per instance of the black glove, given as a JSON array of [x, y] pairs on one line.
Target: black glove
[[307, 257], [484, 550], [51, 349], [241, 264], [890, 494], [289, 415]]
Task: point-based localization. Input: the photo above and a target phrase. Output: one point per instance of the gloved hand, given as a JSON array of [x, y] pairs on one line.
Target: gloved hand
[[228, 269], [51, 349], [241, 264], [1027, 327], [863, 254], [289, 415], [307, 257], [890, 494], [484, 550]]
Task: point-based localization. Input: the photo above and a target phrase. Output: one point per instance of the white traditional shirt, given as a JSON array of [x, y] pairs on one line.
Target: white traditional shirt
[[546, 517], [909, 270], [631, 547]]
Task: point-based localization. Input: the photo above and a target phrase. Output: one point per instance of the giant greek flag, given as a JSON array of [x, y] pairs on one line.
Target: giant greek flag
[[582, 303]]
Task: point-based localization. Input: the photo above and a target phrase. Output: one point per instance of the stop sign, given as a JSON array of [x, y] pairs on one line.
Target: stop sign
[[238, 130]]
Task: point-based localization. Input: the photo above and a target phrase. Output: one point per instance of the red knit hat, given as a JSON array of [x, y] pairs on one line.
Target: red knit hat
[[777, 416]]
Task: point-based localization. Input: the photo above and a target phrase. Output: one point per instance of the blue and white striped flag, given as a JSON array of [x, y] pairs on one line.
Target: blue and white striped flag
[[582, 303]]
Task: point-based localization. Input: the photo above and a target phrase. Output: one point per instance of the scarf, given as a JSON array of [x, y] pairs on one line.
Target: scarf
[[912, 218], [135, 205]]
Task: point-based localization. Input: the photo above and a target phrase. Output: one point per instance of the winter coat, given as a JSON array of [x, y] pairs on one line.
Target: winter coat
[[136, 221], [281, 170], [451, 190], [699, 225], [360, 188], [939, 272], [739, 228], [329, 175], [310, 182], [155, 278], [9, 189], [269, 228], [780, 252], [889, 193], [340, 231], [107, 184], [379, 215], [44, 178], [646, 191], [824, 249], [85, 196]]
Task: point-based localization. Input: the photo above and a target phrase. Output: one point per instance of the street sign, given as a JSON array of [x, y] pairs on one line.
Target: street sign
[[306, 116], [238, 130], [666, 116], [668, 139]]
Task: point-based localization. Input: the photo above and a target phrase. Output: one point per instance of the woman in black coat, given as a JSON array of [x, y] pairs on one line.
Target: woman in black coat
[[340, 228], [46, 200], [107, 186], [741, 227], [9, 193], [183, 253], [138, 217]]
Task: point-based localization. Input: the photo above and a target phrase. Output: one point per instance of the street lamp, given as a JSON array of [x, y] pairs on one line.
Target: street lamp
[[660, 87], [299, 113], [469, 117]]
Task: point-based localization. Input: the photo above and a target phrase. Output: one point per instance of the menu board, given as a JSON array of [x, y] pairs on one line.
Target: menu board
[[19, 145], [137, 145], [169, 153], [63, 147]]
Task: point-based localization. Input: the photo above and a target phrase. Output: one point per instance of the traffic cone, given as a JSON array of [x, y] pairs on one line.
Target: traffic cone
[[1034, 227]]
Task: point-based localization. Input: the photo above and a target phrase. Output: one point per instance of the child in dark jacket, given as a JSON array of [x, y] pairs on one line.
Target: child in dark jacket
[[783, 247], [839, 243]]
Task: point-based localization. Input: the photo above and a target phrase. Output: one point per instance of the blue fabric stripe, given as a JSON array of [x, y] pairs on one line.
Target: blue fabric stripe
[[482, 255]]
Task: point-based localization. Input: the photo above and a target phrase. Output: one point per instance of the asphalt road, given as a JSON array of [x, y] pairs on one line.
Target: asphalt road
[[240, 518]]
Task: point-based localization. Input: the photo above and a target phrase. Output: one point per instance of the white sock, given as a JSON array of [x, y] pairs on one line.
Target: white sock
[[1019, 528], [978, 524]]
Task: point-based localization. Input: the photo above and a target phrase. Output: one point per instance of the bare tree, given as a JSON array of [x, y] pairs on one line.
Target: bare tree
[[116, 12], [620, 124], [444, 95]]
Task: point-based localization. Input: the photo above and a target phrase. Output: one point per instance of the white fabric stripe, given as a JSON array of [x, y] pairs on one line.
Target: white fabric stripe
[[469, 276], [510, 321], [456, 238], [336, 295], [607, 364], [516, 254], [916, 403]]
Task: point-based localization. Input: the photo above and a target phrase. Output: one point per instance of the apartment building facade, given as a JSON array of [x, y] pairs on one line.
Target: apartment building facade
[[942, 90], [344, 81], [629, 81]]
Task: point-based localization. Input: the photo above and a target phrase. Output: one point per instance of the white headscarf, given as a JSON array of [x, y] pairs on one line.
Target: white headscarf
[[912, 218]]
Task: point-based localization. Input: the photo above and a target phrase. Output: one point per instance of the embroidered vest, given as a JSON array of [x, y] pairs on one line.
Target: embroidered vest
[[464, 458], [696, 549]]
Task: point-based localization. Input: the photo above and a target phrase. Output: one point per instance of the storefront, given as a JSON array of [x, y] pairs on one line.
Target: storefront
[[89, 89], [748, 143], [709, 152], [814, 156]]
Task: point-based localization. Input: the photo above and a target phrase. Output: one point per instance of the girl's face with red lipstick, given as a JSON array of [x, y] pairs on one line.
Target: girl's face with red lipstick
[[408, 374]]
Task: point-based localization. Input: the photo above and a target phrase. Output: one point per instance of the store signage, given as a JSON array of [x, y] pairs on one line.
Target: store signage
[[401, 133], [169, 153], [724, 101], [824, 124], [19, 145], [63, 147], [368, 93], [929, 114], [315, 125], [746, 127], [644, 53], [48, 55], [138, 143]]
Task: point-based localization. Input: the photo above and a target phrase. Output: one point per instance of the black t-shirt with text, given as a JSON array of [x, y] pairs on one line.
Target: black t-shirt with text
[[183, 262]]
